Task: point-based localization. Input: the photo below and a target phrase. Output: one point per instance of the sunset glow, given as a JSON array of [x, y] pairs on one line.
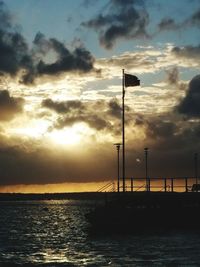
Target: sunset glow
[[70, 135], [61, 90]]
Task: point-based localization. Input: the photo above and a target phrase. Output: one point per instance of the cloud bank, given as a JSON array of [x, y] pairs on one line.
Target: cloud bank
[[18, 59], [123, 20], [190, 105], [9, 106]]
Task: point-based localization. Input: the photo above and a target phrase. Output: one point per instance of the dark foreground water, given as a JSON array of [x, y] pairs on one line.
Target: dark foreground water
[[55, 233]]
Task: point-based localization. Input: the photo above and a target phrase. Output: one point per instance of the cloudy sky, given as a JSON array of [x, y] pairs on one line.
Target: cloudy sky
[[60, 90]]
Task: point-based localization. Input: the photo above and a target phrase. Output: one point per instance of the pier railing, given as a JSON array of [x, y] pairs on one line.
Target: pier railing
[[109, 187], [160, 184], [155, 184]]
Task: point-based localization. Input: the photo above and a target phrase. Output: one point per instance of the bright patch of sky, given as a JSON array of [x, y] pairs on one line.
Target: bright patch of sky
[[72, 95]]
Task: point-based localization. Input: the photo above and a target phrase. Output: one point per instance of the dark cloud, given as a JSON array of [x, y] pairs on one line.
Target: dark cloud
[[190, 105], [5, 16], [63, 107], [78, 60], [173, 76], [42, 166], [16, 56], [160, 129], [88, 3], [124, 20], [83, 112], [190, 52], [157, 128], [14, 51], [172, 142], [168, 24], [76, 111], [171, 138], [194, 20], [177, 151], [9, 106], [114, 108], [99, 115], [93, 120], [171, 148], [173, 79]]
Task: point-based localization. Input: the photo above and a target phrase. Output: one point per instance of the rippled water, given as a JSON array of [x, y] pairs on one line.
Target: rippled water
[[55, 233]]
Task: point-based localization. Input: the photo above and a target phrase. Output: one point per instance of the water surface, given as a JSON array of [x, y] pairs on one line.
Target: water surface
[[55, 233]]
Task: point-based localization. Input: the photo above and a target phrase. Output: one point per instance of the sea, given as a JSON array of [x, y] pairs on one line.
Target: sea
[[56, 233]]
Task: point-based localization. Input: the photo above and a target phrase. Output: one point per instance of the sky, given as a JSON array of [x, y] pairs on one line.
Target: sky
[[61, 86]]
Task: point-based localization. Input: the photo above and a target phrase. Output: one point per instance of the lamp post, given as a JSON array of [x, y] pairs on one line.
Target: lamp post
[[118, 169], [123, 133], [146, 168], [196, 167]]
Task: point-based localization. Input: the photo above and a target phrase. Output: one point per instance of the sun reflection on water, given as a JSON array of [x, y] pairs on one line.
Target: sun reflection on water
[[54, 233]]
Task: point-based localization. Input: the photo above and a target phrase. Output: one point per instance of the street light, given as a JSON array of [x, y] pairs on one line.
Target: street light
[[146, 168], [118, 170], [196, 166]]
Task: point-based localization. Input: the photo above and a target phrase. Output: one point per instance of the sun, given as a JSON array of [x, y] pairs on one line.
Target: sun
[[70, 135], [67, 136], [34, 129], [73, 135]]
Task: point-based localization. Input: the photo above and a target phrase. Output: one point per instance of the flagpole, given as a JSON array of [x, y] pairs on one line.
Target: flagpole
[[127, 80], [123, 132]]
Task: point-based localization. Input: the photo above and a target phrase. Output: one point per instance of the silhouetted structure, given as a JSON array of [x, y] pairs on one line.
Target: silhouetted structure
[[118, 166], [127, 80], [149, 202], [146, 169], [146, 211], [196, 166]]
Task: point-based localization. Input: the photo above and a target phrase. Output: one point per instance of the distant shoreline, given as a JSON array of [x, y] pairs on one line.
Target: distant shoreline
[[50, 196], [96, 196]]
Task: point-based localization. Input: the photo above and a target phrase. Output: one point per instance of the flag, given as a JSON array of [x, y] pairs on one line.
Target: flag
[[131, 80]]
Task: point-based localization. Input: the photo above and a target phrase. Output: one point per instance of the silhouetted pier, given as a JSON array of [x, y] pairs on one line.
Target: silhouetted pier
[[153, 203], [146, 202], [160, 184], [155, 184]]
